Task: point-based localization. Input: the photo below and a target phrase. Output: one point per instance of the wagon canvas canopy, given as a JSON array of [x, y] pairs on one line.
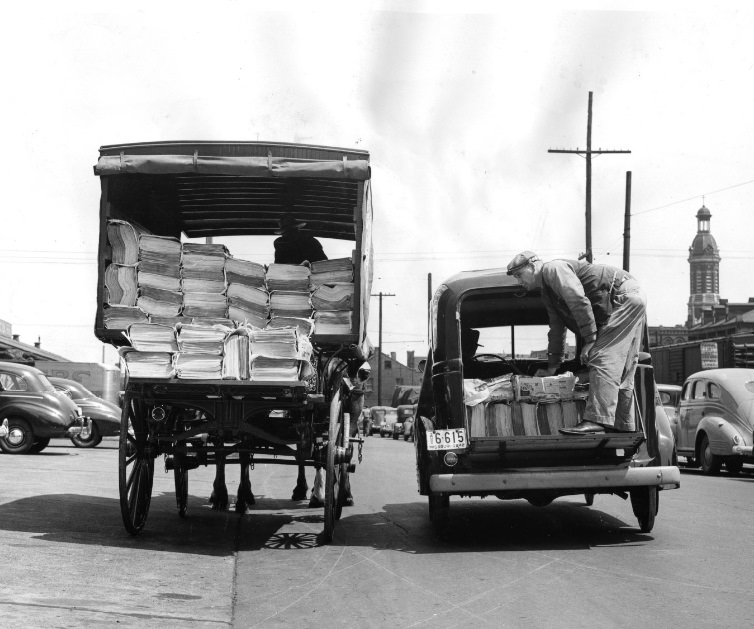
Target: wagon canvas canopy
[[239, 188]]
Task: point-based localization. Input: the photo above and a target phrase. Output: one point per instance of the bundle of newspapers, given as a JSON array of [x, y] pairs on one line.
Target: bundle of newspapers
[[287, 277], [159, 270], [336, 271], [248, 304]]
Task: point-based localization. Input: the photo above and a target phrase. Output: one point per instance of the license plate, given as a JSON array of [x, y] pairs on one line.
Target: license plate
[[447, 439]]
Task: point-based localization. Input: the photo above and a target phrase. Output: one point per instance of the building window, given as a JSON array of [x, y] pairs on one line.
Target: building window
[[398, 382], [388, 364]]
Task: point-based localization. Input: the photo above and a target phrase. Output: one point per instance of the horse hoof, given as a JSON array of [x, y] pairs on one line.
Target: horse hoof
[[299, 494], [315, 503], [348, 502]]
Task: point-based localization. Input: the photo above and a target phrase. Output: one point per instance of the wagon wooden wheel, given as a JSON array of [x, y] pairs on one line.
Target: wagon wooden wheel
[[336, 476], [135, 465]]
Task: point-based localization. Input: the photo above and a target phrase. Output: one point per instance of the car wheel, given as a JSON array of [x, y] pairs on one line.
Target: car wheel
[[20, 438], [734, 464], [39, 445], [710, 462], [92, 441]]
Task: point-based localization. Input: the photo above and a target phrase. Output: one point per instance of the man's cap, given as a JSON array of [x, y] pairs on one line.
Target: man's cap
[[521, 260], [288, 222]]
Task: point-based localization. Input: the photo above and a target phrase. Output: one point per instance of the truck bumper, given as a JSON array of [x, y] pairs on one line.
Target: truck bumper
[[665, 477]]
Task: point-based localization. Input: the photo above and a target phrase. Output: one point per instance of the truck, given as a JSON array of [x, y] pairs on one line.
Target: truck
[[103, 380], [498, 434], [674, 363]]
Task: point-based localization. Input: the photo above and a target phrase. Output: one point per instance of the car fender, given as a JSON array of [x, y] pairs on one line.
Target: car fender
[[721, 434], [41, 410], [665, 437], [427, 462]]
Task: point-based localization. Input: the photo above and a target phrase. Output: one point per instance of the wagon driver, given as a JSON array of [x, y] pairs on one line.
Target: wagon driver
[[295, 247], [606, 308]]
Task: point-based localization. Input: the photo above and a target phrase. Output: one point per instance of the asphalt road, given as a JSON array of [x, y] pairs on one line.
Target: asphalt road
[[68, 562]]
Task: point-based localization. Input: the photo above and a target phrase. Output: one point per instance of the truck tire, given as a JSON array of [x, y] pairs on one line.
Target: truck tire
[[645, 503]]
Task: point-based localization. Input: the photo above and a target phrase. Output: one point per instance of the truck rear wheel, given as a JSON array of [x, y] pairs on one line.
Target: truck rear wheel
[[439, 508], [645, 503]]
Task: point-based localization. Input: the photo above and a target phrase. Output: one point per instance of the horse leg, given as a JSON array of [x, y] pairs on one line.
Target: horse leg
[[299, 491], [219, 497], [318, 491], [244, 498]]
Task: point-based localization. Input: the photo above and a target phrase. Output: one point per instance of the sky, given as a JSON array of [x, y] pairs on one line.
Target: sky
[[456, 102]]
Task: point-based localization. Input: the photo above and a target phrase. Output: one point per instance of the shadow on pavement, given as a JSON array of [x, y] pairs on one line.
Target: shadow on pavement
[[490, 525], [474, 526], [96, 521]]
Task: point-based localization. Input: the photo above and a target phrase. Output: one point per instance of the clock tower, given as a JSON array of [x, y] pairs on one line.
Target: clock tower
[[704, 260]]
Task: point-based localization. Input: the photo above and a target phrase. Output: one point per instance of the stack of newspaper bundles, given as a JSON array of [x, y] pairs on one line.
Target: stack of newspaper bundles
[[203, 280], [332, 297], [158, 277], [200, 351]]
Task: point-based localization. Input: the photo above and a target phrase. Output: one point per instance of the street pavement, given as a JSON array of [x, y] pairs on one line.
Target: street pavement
[[68, 561]]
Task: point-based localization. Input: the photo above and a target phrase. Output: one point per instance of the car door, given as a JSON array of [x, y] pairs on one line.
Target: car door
[[681, 438], [696, 409]]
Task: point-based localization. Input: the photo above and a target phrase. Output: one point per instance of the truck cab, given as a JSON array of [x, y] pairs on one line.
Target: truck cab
[[481, 429]]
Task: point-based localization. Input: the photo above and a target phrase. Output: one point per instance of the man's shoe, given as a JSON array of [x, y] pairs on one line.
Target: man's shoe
[[584, 428]]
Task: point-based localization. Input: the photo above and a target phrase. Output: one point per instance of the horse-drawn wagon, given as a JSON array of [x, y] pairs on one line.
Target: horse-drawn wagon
[[250, 374]]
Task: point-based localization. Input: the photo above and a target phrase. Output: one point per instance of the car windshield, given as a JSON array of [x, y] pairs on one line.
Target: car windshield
[[528, 342]]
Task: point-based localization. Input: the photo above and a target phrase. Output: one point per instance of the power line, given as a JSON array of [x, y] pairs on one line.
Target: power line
[[662, 207]]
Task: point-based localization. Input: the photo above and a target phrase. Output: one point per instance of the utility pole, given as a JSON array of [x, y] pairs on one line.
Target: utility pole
[[588, 154], [379, 350], [627, 224], [429, 308]]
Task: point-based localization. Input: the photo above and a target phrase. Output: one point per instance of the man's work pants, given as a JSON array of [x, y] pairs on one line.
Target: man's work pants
[[613, 360]]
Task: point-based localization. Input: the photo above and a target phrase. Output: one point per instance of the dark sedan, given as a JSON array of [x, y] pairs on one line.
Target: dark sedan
[[104, 415], [34, 410]]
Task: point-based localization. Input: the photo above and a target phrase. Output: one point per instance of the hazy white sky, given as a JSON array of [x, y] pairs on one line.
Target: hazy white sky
[[457, 103]]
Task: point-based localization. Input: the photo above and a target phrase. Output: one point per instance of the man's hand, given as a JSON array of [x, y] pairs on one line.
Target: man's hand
[[544, 373], [585, 351]]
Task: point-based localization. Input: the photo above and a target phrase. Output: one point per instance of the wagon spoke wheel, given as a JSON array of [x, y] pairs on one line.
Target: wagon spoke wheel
[[135, 465], [337, 468], [180, 474]]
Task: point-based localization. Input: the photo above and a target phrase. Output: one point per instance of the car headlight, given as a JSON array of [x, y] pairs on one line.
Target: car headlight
[[736, 439]]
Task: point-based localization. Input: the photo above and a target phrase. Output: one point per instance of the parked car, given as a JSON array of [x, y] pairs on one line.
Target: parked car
[[104, 415], [716, 419], [389, 417], [35, 411], [670, 396], [378, 414], [404, 427]]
